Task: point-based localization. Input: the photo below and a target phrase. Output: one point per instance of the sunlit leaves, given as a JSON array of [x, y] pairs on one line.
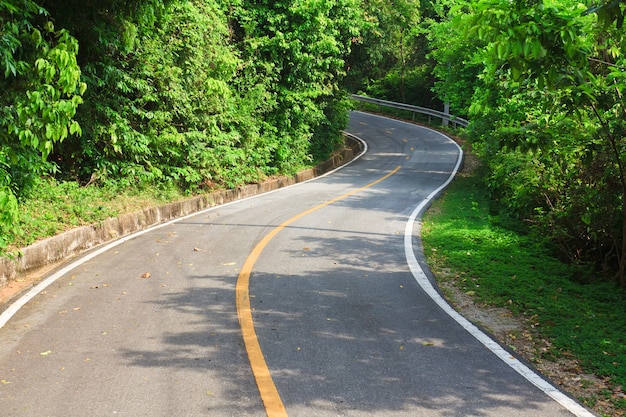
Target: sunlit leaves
[[187, 93], [39, 95], [528, 38], [300, 47], [548, 113]]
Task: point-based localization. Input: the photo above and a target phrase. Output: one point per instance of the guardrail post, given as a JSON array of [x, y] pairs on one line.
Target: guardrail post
[[446, 111]]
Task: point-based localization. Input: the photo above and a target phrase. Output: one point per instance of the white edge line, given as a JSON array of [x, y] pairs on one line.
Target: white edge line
[[499, 351], [20, 302], [488, 342], [423, 281]]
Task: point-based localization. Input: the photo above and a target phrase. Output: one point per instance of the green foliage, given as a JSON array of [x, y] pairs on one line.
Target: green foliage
[[544, 88], [300, 49], [390, 60], [456, 67], [609, 12], [205, 93], [189, 94], [158, 88], [416, 83], [540, 40], [40, 92]]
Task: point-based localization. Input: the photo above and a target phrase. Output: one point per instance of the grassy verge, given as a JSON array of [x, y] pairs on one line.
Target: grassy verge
[[52, 208], [502, 268]]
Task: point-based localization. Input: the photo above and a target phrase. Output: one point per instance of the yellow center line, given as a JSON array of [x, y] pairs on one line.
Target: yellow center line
[[274, 406]]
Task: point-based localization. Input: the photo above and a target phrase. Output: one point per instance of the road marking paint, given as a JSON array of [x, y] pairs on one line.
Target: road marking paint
[[423, 281], [274, 406], [7, 314]]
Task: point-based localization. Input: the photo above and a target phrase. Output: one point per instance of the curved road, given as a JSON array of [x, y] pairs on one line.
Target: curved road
[[334, 320]]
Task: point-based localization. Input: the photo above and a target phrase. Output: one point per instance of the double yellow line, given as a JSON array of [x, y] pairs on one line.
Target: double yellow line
[[274, 406]]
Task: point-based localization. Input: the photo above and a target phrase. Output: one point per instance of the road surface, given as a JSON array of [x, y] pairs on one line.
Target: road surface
[[314, 276]]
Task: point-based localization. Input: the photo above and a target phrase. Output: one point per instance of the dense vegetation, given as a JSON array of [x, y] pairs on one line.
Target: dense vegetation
[[194, 94], [150, 93], [543, 82]]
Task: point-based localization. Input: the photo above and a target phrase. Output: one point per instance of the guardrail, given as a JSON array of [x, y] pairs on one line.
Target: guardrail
[[445, 117]]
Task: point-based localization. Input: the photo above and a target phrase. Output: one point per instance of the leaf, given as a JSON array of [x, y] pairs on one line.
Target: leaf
[[146, 275], [46, 353]]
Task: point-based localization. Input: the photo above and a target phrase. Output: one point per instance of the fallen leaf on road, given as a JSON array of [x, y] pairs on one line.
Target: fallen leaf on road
[[46, 353], [146, 275], [428, 343], [76, 308], [229, 263], [4, 381]]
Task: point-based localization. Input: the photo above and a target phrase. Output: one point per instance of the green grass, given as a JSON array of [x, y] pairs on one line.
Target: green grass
[[51, 208], [508, 269]]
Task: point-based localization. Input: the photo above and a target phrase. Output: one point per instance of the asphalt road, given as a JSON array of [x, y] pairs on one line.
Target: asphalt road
[[151, 327]]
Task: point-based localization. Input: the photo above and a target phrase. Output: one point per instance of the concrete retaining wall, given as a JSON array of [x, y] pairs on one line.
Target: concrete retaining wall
[[74, 242]]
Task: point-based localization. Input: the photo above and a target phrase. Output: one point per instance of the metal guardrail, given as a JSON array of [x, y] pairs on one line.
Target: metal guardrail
[[445, 117]]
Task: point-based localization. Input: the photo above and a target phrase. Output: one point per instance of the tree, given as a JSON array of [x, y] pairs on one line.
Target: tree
[[300, 47], [566, 62], [456, 68], [390, 59], [40, 92]]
